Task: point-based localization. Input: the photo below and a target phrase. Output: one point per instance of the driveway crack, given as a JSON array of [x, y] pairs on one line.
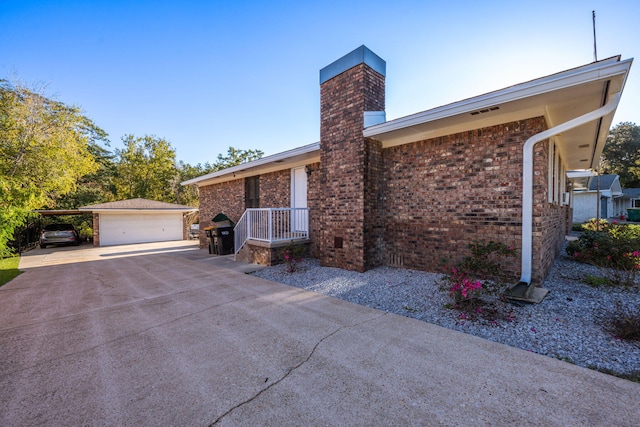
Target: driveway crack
[[293, 368], [105, 343]]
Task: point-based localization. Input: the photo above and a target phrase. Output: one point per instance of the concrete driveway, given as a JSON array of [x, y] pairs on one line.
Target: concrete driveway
[[158, 334]]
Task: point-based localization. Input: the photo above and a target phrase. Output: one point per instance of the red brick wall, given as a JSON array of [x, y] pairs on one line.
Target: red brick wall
[[185, 227], [550, 220], [374, 205], [96, 229], [275, 189], [443, 193], [314, 201], [266, 255], [226, 197], [344, 163]]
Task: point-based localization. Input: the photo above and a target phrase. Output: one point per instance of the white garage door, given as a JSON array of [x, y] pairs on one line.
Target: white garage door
[[120, 229]]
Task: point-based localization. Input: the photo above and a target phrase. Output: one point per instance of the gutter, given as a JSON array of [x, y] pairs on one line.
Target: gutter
[[527, 182]]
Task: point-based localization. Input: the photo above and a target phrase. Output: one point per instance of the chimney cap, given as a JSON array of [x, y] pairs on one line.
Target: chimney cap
[[361, 55]]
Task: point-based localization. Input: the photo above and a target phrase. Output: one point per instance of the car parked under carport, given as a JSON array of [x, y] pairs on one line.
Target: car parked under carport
[[59, 234]]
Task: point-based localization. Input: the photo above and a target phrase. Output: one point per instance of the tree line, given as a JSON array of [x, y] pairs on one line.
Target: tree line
[[52, 156]]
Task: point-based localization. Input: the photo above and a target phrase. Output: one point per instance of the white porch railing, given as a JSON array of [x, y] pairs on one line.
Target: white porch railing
[[271, 225]]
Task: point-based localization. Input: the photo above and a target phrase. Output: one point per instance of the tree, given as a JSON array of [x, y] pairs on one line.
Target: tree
[[621, 154], [96, 187], [44, 150], [188, 195], [145, 168], [235, 157]]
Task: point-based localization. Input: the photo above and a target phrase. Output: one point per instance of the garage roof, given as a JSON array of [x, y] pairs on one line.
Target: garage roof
[[53, 212], [137, 205]]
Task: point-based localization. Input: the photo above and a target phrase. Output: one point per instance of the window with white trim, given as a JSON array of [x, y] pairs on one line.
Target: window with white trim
[[557, 176]]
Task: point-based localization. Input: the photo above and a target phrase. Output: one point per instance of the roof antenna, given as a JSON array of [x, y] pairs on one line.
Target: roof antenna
[[595, 49]]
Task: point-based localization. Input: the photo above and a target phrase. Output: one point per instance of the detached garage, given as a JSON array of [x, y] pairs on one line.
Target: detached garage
[[138, 221]]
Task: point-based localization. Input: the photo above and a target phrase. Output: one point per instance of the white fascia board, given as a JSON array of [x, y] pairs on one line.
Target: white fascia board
[[575, 174], [279, 157], [592, 72]]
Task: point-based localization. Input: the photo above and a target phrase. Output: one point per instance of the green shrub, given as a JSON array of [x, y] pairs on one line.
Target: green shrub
[[616, 249], [576, 226], [595, 225], [487, 260], [86, 233]]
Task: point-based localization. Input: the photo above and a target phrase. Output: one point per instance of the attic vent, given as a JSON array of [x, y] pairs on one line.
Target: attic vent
[[484, 110]]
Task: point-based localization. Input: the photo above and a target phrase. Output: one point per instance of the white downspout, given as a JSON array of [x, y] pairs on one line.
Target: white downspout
[[527, 178]]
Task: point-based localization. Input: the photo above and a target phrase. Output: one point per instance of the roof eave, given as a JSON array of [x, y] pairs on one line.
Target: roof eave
[[283, 158], [592, 72]]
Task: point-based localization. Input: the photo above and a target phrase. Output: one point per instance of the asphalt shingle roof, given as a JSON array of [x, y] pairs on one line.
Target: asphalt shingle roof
[[139, 204], [606, 181], [631, 192]]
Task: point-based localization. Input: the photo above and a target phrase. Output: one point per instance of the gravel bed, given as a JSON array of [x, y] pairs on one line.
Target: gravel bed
[[570, 324]]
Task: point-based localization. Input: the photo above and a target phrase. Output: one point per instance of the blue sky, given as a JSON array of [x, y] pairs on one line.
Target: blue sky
[[207, 75]]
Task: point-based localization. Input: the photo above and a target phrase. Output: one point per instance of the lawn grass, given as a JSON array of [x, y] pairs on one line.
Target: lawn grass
[[9, 269]]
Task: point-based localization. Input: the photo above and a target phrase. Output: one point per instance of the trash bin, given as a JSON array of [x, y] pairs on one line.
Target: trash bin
[[633, 214], [223, 240], [208, 231], [220, 235]]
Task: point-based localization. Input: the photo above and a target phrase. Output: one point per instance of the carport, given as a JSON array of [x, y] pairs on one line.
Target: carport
[[27, 237]]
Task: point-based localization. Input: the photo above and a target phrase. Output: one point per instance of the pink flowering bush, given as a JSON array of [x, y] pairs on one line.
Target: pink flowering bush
[[477, 277], [292, 255], [463, 289]]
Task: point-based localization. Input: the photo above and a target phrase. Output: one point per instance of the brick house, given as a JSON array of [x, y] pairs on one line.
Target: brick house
[[416, 190]]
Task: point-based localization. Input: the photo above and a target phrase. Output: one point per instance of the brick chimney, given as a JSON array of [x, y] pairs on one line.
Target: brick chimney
[[351, 165]]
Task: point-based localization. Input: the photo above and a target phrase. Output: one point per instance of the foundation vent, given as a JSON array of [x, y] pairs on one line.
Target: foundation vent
[[396, 260]]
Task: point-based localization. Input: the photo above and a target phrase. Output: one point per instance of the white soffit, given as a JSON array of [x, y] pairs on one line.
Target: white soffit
[[529, 99]]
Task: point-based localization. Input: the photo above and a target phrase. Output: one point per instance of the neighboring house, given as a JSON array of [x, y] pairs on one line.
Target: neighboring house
[[609, 191], [138, 221], [631, 198], [417, 190]]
